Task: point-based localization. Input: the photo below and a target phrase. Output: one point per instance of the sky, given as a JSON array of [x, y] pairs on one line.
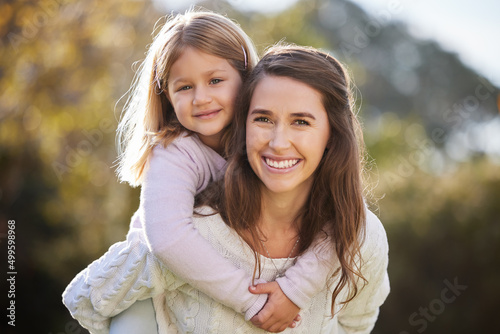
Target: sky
[[467, 27]]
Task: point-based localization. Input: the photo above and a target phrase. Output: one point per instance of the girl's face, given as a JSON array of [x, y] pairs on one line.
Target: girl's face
[[202, 89], [287, 134]]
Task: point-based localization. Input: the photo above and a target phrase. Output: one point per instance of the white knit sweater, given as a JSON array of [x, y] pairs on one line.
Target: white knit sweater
[[129, 272]]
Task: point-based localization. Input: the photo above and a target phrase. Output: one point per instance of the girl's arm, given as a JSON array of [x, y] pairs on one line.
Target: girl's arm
[[175, 175], [310, 274], [307, 277], [312, 270]]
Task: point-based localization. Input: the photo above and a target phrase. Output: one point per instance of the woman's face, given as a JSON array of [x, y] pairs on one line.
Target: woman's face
[[287, 134]]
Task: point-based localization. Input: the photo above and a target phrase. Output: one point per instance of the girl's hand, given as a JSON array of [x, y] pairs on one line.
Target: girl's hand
[[278, 313]]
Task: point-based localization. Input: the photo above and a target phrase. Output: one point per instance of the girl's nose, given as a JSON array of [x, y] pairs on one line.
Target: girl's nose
[[201, 96]]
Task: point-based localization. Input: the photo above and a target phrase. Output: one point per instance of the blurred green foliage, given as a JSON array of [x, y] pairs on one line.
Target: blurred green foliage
[[64, 66]]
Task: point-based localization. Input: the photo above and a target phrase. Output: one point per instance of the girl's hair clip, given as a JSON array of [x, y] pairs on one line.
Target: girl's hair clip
[[156, 78], [245, 55], [157, 83]]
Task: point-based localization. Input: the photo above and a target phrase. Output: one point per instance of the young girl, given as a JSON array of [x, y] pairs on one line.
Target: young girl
[[172, 137]]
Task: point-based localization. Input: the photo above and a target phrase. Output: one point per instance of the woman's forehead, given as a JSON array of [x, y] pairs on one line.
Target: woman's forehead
[[279, 92]]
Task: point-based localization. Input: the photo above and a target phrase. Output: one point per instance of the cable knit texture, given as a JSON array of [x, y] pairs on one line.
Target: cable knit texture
[[129, 272]]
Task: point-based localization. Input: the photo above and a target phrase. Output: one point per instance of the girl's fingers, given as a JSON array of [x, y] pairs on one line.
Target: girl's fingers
[[262, 288]]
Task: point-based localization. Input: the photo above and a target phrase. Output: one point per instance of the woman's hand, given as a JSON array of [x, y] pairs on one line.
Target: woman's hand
[[278, 313]]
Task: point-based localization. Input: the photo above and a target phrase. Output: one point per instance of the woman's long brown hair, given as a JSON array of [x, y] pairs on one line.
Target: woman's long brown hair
[[335, 206]]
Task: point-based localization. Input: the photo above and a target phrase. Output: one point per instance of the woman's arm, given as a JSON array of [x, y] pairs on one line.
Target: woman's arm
[[174, 177], [360, 315]]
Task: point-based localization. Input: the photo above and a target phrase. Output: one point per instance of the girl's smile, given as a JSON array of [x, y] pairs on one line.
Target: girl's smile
[[208, 114]]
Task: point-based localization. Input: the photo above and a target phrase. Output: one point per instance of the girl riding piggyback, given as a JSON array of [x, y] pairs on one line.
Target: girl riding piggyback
[[172, 143]]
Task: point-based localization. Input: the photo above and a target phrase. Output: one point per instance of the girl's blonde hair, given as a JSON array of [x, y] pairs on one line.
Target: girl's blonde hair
[[149, 118]]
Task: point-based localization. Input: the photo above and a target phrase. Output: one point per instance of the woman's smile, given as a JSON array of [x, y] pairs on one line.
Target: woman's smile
[[284, 164]]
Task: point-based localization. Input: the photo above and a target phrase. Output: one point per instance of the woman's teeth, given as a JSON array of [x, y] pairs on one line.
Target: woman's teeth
[[282, 163]]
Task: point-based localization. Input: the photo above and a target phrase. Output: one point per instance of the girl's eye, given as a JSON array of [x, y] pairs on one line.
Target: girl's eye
[[184, 88], [215, 81], [301, 122]]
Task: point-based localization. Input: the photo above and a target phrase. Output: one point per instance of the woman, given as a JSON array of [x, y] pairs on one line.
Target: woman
[[293, 182]]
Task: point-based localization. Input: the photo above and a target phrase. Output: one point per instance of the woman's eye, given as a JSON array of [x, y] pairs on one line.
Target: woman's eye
[[215, 81], [262, 119], [301, 122]]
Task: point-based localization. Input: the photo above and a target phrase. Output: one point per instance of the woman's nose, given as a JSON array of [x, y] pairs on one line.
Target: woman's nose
[[201, 96], [280, 139]]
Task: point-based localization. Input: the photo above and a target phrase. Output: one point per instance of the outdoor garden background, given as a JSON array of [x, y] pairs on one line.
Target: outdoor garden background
[[431, 126]]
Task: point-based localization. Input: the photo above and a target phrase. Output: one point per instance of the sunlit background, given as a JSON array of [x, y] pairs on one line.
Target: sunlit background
[[427, 77]]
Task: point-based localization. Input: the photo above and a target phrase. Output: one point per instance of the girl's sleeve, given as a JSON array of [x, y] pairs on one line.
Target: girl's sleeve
[[310, 274], [360, 314], [174, 176], [313, 269], [126, 273]]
